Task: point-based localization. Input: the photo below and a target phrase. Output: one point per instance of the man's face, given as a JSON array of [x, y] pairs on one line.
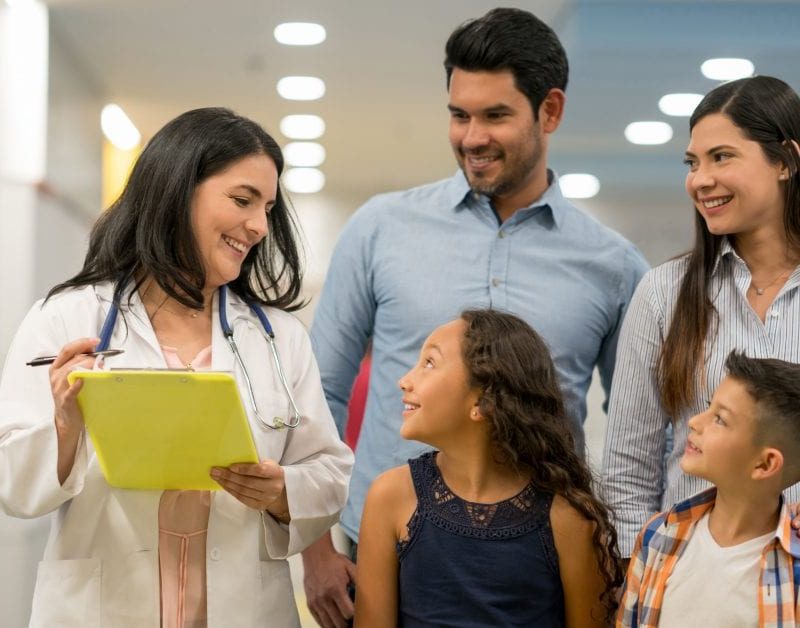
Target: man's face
[[494, 136]]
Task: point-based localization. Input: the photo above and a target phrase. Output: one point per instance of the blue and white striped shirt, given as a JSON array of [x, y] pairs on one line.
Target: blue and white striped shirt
[[637, 481]]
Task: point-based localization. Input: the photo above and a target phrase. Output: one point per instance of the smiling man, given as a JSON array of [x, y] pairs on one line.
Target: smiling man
[[496, 234]]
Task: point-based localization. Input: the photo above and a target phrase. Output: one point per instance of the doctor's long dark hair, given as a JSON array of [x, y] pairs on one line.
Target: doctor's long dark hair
[[147, 232], [520, 398]]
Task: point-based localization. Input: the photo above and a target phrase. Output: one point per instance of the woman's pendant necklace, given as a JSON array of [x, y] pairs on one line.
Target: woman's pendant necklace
[[760, 291]]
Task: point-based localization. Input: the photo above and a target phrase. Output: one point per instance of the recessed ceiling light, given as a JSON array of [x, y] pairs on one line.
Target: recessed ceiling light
[[299, 33], [727, 69], [649, 133], [304, 154], [579, 185], [118, 128], [303, 180], [679, 104], [301, 87], [302, 127]]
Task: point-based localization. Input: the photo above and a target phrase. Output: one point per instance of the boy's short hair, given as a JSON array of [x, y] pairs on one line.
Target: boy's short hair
[[774, 385]]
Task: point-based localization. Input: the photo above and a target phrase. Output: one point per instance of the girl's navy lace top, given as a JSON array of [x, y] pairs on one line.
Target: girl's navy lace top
[[467, 565]]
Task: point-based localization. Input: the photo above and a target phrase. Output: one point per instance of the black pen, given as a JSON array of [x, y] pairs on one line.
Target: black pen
[[49, 359]]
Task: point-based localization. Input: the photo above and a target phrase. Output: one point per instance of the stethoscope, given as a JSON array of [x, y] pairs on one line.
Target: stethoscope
[[277, 422]]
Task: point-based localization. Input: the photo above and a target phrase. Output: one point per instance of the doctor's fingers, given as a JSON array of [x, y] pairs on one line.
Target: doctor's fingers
[[254, 500], [265, 469], [73, 349], [253, 488]]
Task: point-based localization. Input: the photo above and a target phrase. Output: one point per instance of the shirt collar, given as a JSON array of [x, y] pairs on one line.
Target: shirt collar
[[693, 508], [725, 250], [460, 196]]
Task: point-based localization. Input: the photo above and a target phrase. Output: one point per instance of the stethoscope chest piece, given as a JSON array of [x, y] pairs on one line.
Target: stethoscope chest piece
[[277, 423]]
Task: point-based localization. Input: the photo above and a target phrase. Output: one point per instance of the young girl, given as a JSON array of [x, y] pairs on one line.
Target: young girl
[[498, 526]]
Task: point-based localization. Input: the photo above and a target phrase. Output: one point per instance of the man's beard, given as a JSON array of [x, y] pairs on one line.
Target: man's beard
[[511, 177]]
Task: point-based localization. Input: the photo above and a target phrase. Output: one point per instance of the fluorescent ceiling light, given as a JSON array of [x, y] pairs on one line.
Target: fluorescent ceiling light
[[303, 180], [304, 154], [301, 87], [578, 185], [679, 104], [118, 128], [302, 127], [727, 69], [649, 133], [299, 33]]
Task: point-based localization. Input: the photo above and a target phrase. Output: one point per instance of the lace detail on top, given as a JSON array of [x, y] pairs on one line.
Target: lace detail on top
[[436, 503]]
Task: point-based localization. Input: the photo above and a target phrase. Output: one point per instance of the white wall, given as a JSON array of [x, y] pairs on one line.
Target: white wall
[[51, 235]]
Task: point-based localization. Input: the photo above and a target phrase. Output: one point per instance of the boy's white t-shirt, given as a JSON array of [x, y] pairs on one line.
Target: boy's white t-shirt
[[712, 586]]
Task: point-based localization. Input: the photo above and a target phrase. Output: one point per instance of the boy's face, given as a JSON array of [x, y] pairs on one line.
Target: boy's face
[[722, 445]]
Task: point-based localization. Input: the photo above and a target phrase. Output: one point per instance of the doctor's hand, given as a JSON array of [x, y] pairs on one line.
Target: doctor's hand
[[260, 486], [68, 417]]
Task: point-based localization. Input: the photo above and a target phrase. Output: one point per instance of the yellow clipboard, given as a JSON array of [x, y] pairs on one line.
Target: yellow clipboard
[[162, 429]]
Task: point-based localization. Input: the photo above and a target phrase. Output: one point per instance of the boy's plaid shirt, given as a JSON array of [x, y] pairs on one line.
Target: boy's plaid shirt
[[661, 543]]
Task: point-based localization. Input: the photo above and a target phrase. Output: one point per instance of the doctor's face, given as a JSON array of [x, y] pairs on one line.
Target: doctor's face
[[229, 215]]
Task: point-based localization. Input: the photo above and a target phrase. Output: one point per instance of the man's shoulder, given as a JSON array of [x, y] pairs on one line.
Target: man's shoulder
[[589, 228], [432, 195]]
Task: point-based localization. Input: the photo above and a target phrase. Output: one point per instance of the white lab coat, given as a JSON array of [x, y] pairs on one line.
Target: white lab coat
[[100, 566]]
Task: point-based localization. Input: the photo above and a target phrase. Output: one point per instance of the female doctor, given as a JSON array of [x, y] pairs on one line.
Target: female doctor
[[198, 258]]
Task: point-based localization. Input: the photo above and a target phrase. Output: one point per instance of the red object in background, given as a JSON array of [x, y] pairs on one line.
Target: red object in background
[[357, 403]]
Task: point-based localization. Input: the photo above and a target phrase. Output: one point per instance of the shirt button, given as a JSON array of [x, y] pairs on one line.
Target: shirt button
[[495, 282], [501, 234], [215, 553], [774, 313]]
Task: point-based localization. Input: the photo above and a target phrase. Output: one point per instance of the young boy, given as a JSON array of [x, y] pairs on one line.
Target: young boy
[[728, 557]]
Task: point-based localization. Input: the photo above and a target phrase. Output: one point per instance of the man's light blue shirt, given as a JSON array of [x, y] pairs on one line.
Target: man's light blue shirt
[[409, 261]]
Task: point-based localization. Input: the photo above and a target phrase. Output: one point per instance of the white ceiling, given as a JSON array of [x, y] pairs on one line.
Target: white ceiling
[[385, 102]]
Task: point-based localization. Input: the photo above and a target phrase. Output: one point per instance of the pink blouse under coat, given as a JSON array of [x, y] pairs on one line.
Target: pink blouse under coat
[[183, 528]]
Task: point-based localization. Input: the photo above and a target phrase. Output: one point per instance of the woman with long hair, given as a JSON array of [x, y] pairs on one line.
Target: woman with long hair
[[736, 289], [194, 267], [499, 525]]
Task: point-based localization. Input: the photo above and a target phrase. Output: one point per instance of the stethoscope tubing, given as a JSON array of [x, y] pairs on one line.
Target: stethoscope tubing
[[277, 422]]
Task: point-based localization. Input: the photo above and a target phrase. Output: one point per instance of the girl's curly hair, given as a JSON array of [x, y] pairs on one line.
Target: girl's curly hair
[[520, 398]]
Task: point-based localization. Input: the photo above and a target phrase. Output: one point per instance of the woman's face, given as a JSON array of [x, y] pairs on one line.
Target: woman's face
[[731, 182], [229, 215]]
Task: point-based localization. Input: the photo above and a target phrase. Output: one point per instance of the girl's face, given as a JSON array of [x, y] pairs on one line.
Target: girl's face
[[229, 215], [731, 182], [437, 398]]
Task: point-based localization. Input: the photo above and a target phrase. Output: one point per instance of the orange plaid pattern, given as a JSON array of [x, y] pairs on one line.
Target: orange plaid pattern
[[661, 543]]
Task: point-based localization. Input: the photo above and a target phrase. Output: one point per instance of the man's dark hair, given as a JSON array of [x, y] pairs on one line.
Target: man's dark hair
[[774, 385], [514, 40]]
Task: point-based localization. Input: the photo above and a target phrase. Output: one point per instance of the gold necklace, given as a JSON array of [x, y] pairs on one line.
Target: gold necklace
[[760, 291]]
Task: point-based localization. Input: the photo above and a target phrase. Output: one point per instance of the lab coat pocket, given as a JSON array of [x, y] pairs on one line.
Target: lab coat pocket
[[67, 594], [276, 605]]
